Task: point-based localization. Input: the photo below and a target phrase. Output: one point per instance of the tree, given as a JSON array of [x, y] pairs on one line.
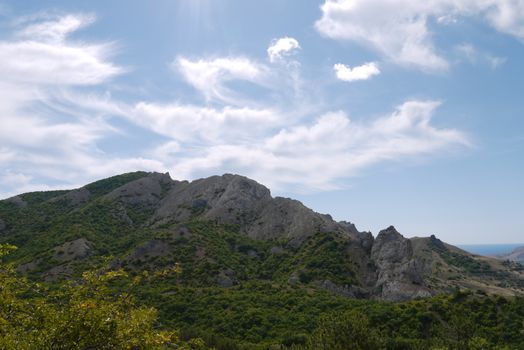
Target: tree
[[85, 314], [351, 330]]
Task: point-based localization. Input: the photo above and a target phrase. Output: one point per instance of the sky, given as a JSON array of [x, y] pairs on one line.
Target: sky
[[378, 112]]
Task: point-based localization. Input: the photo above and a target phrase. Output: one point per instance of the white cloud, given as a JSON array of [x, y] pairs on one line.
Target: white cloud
[[210, 76], [332, 148], [40, 54], [55, 30], [282, 47], [49, 129], [189, 123], [399, 29], [55, 126], [363, 72]]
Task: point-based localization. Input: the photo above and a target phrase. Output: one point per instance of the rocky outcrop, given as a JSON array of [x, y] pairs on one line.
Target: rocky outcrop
[[77, 249], [227, 199], [74, 197], [65, 255], [347, 291], [18, 201], [399, 275], [144, 192], [152, 249], [237, 200], [437, 243], [226, 278]]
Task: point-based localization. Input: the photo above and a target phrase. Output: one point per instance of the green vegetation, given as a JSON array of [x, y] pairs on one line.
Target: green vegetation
[[85, 314], [198, 284], [264, 316]]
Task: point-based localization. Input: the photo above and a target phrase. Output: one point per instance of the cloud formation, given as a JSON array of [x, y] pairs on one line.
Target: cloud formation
[[363, 72], [40, 54], [332, 148], [210, 76], [43, 133], [471, 54], [55, 119], [399, 30], [282, 47]]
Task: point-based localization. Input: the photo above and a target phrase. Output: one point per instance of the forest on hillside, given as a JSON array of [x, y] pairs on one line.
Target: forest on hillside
[[107, 309]]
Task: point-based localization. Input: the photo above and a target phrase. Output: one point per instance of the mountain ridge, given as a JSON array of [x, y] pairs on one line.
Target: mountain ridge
[[148, 219]]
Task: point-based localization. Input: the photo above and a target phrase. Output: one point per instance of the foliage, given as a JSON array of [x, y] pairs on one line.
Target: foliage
[[84, 314], [349, 331], [150, 291]]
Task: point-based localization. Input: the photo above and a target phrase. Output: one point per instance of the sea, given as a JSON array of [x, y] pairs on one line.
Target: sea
[[490, 249]]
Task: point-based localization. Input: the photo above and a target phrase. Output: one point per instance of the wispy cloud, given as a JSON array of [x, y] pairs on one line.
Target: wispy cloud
[[42, 134], [210, 76], [318, 155], [472, 55], [55, 122]]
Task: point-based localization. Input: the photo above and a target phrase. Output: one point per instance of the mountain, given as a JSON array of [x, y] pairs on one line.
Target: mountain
[[228, 230], [517, 255]]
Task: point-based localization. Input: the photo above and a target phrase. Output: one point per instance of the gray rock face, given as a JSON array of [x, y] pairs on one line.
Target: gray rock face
[[145, 191], [287, 218], [227, 199], [276, 250], [399, 274], [237, 200], [226, 278], [73, 250], [66, 254], [18, 201], [152, 249], [437, 243], [391, 247], [74, 197]]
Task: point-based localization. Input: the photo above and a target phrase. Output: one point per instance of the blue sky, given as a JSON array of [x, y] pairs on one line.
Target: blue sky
[[378, 112]]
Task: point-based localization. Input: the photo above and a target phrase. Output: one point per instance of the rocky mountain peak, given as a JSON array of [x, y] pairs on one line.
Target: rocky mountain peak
[[437, 243], [391, 247], [399, 273]]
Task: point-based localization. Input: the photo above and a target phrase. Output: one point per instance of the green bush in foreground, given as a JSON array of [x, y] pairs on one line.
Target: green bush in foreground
[[82, 315]]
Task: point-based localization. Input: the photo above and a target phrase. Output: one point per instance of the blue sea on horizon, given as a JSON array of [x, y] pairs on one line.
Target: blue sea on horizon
[[489, 249]]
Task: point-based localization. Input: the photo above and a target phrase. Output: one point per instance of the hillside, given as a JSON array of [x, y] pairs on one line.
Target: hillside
[[227, 230], [249, 266], [517, 255]]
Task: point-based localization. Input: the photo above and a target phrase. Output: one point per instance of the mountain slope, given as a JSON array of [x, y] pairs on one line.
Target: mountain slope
[[517, 255], [228, 231]]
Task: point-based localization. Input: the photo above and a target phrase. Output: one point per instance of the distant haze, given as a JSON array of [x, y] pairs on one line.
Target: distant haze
[[490, 249]]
